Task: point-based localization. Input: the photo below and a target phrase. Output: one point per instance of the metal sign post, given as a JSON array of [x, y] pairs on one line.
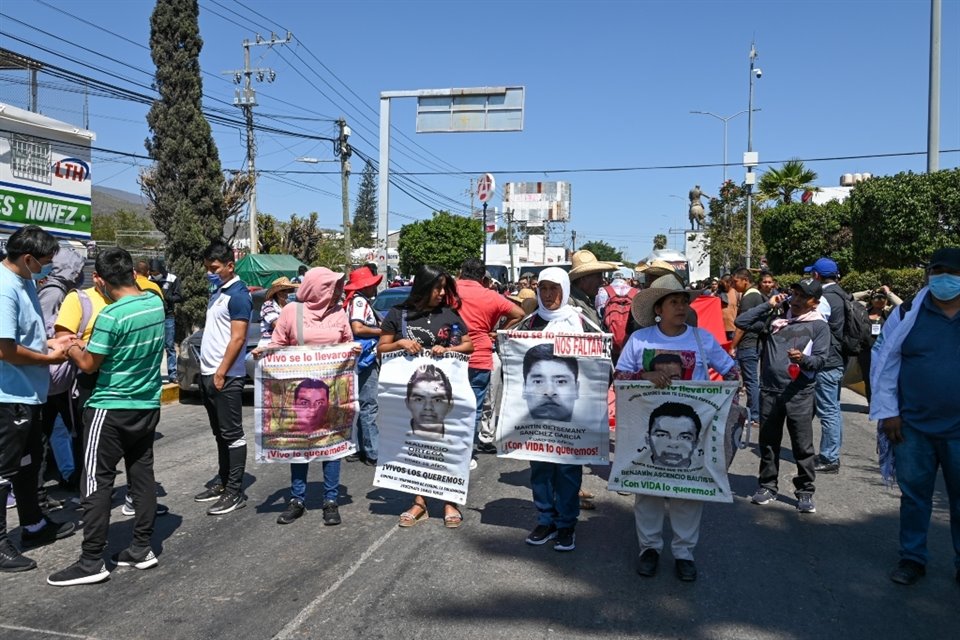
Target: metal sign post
[[486, 186]]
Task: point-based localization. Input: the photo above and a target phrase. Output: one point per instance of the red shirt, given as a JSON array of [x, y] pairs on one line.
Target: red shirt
[[482, 309]]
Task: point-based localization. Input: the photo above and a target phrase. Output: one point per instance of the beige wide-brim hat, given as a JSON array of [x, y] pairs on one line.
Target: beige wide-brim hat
[[280, 284], [657, 269], [585, 263], [647, 299]]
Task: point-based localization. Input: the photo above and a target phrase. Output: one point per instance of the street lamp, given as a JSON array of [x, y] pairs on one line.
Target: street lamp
[[725, 120]]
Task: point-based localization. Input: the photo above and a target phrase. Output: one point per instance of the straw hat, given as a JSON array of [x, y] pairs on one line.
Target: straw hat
[[585, 263], [647, 299], [361, 279], [280, 284], [657, 269]]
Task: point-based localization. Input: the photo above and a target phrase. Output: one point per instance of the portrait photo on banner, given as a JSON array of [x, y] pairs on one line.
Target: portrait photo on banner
[[554, 404], [426, 420], [671, 441], [305, 404]]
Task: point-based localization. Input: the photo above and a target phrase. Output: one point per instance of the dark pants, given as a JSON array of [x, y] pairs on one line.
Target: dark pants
[[556, 489], [863, 359], [225, 410], [796, 407], [368, 437], [58, 405], [749, 361], [113, 435], [19, 459]]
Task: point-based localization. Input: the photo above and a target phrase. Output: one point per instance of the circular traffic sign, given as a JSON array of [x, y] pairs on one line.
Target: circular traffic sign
[[486, 185]]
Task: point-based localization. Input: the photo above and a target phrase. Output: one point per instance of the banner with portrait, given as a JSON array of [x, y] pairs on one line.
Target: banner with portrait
[[554, 405], [670, 442], [305, 403], [426, 419]]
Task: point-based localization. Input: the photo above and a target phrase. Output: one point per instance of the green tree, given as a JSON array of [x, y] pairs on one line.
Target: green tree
[[780, 184], [104, 226], [365, 214], [270, 233], [900, 220], [659, 242], [302, 238], [797, 234], [185, 185], [603, 251], [726, 230], [444, 240]]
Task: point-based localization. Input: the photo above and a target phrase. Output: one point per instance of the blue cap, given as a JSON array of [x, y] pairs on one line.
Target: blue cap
[[825, 267]]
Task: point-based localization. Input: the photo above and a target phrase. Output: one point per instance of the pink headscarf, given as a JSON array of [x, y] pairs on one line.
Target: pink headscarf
[[317, 288]]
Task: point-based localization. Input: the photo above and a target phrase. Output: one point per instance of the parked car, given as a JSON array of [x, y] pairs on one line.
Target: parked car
[[188, 362], [390, 298]]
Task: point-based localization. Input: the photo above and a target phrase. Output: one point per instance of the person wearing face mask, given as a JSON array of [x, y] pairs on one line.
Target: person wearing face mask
[[556, 487], [25, 356], [916, 398], [222, 376]]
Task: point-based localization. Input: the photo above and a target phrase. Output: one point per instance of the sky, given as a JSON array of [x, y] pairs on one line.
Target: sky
[[609, 85]]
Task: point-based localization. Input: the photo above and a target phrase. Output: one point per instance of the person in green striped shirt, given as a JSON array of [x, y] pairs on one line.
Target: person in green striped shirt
[[120, 417]]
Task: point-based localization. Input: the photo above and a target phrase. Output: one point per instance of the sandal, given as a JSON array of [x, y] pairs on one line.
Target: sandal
[[452, 520], [409, 519], [586, 500]]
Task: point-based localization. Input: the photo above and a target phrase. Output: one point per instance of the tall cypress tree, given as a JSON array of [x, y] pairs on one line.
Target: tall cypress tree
[[185, 184], [365, 215]]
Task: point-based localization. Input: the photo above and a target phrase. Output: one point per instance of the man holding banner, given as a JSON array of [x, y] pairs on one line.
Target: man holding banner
[[670, 435], [556, 373]]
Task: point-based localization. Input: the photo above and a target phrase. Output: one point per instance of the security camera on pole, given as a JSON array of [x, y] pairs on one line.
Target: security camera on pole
[[750, 158], [486, 186]]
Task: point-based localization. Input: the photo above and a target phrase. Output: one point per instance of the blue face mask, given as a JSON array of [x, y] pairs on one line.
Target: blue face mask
[[944, 286], [214, 281], [44, 272]]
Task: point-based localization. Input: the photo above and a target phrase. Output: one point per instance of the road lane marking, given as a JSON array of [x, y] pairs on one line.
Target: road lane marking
[[307, 611], [59, 634]]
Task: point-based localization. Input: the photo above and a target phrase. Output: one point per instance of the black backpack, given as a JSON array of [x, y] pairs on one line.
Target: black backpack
[[856, 324]]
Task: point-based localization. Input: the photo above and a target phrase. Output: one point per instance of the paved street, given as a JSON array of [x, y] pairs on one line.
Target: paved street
[[765, 572]]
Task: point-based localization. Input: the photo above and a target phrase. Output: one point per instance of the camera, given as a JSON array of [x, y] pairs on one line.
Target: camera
[[759, 73]]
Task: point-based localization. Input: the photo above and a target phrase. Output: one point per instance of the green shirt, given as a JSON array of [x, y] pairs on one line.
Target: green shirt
[[129, 333]]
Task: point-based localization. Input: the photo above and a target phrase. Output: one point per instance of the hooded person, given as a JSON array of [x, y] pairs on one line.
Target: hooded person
[[317, 318], [67, 275]]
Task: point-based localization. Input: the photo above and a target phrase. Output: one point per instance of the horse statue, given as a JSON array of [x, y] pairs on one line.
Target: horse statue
[[696, 211]]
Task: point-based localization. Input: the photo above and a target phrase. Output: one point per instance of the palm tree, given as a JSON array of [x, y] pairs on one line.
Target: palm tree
[[782, 183]]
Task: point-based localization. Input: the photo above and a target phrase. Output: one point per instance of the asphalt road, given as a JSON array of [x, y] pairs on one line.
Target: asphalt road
[[765, 572]]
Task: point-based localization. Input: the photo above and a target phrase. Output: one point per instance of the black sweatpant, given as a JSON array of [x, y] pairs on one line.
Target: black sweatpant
[[225, 411], [19, 459], [113, 435], [796, 407]]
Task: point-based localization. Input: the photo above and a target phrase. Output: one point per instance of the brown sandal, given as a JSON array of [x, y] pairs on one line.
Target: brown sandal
[[410, 519]]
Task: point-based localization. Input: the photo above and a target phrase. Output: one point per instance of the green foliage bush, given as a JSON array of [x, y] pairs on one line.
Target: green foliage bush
[[903, 282], [444, 240], [797, 234]]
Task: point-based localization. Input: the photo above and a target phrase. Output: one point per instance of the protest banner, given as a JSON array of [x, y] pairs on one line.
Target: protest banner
[[305, 403], [426, 420], [554, 405], [670, 442]]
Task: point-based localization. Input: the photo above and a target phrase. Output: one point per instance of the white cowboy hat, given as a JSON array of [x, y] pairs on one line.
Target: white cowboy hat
[[585, 263], [647, 299]]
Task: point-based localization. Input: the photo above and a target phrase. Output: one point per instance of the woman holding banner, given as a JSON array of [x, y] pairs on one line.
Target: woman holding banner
[[555, 486], [661, 314], [322, 321], [427, 322]]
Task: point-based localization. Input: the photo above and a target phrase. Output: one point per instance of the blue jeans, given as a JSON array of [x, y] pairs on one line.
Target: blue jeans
[[828, 410], [169, 330], [369, 433], [479, 382], [556, 489], [749, 361], [331, 480], [917, 458]]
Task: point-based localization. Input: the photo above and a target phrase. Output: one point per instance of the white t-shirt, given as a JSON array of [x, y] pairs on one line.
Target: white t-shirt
[[647, 347], [362, 311]]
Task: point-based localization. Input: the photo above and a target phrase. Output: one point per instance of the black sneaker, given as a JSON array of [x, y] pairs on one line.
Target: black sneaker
[[647, 563], [805, 503], [825, 466], [128, 510], [486, 447], [293, 511], [228, 502], [75, 574], [370, 462], [12, 561], [908, 572], [209, 494], [566, 540], [353, 457], [48, 503], [49, 532], [542, 534], [144, 560], [331, 513], [763, 496], [686, 570]]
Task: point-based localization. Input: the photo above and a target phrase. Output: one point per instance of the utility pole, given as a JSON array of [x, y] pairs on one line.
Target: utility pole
[[342, 149], [573, 241], [246, 98], [508, 215], [933, 99], [750, 177]]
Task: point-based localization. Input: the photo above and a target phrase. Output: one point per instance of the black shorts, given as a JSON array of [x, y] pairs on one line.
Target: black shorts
[[16, 422]]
